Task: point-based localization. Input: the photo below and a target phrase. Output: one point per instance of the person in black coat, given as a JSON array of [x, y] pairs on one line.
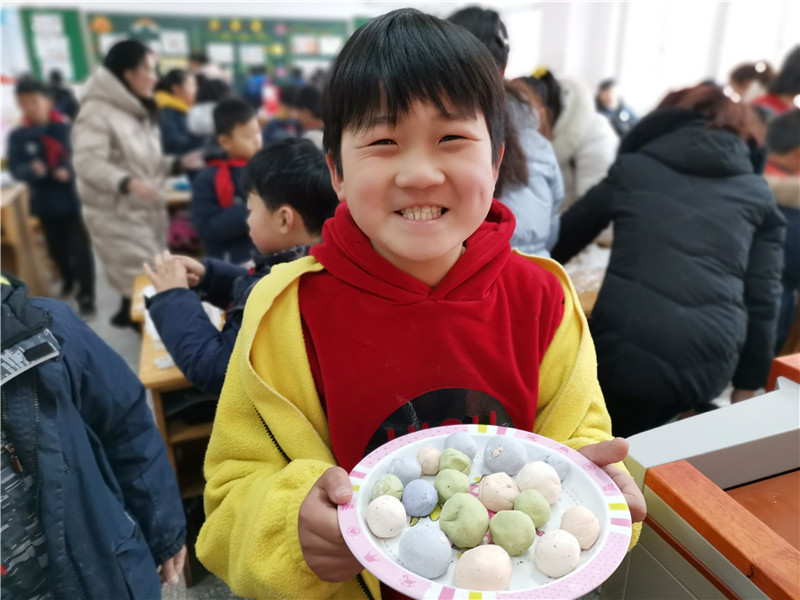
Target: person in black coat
[[40, 154], [690, 299]]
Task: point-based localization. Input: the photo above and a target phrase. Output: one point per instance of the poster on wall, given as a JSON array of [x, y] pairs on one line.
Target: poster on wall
[[329, 45], [305, 44], [174, 42], [251, 54], [220, 53], [51, 45]]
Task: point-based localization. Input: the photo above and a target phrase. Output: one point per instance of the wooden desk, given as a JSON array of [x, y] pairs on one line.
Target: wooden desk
[[137, 300], [22, 255], [173, 431]]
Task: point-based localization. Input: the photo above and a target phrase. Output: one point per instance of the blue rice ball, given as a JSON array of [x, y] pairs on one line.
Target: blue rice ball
[[504, 454], [420, 498], [463, 442], [425, 550], [405, 469]]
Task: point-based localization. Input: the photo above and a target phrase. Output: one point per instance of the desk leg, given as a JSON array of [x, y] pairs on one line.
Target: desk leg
[[161, 422]]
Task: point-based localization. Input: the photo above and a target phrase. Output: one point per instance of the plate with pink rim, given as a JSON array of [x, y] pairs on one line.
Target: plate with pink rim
[[584, 484]]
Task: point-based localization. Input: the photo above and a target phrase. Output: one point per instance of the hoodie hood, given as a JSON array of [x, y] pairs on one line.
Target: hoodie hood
[[681, 140], [104, 86], [348, 255]]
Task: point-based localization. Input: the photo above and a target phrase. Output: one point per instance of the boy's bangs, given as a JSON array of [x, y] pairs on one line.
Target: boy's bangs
[[405, 56]]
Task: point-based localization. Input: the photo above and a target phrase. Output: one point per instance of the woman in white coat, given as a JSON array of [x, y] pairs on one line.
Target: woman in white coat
[[121, 171], [583, 140]]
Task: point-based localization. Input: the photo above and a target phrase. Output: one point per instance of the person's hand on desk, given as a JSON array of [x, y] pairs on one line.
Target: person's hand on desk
[[169, 273], [604, 455], [144, 190], [195, 270], [738, 395]]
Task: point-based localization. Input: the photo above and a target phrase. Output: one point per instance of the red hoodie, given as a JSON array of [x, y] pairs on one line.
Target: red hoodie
[[390, 354]]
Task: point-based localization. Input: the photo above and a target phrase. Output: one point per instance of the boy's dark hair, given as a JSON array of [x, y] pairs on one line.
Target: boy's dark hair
[[289, 95], [198, 56], [606, 84], [293, 172], [211, 90], [485, 24], [546, 86], [29, 85], [231, 112], [406, 55], [310, 98]]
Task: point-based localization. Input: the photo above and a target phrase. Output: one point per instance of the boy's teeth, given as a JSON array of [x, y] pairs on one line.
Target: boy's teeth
[[422, 213]]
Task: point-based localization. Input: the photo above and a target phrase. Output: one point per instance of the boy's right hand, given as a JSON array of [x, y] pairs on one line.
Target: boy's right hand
[[195, 270], [321, 540], [38, 168]]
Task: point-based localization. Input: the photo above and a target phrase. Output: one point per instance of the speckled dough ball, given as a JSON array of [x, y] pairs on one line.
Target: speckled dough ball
[[513, 530], [464, 520], [581, 522], [450, 482], [463, 442], [542, 477], [420, 498], [425, 550], [497, 492], [559, 463], [456, 460], [428, 458], [405, 469], [485, 568], [504, 454], [386, 517], [557, 553], [533, 504], [387, 485]]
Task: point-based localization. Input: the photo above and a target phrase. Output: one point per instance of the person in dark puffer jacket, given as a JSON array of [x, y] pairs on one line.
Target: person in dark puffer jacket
[[289, 197], [690, 299], [90, 505]]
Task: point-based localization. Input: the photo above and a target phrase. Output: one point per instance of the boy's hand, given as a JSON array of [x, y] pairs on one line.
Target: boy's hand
[[61, 174], [39, 168], [195, 270], [738, 395], [171, 568], [169, 273], [318, 528], [604, 454]]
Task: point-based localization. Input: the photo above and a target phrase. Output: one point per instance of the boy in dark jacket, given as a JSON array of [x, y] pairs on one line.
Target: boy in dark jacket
[[39, 153], [219, 209], [289, 196], [90, 506]]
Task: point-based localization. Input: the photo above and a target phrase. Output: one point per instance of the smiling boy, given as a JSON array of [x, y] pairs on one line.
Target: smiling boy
[[413, 312]]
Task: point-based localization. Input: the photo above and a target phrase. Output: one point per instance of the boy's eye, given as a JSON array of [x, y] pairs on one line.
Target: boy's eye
[[384, 142], [448, 138]]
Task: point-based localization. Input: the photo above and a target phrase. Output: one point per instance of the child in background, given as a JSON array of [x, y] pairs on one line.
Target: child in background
[[289, 196], [412, 310], [283, 125], [40, 154], [307, 109], [219, 209], [175, 94]]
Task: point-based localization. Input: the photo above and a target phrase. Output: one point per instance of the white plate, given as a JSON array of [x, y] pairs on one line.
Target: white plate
[[585, 484]]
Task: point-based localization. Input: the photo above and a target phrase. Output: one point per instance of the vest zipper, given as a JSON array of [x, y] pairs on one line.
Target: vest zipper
[[9, 446], [364, 587], [37, 443], [272, 437]]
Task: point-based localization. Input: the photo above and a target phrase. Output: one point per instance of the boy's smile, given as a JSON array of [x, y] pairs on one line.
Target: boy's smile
[[419, 188]]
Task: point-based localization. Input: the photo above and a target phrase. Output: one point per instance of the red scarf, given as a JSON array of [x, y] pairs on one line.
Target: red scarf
[[223, 180], [54, 153]]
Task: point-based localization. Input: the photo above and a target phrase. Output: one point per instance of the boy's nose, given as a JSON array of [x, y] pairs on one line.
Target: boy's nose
[[419, 171]]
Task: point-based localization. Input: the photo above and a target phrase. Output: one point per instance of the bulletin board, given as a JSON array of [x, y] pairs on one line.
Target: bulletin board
[[237, 43], [54, 40]]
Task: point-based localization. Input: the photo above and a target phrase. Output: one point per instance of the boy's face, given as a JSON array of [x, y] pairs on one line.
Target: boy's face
[[419, 189], [243, 141], [267, 227], [36, 107]]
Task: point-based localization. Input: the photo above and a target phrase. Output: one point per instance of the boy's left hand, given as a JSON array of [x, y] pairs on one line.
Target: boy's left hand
[[61, 174], [604, 454], [169, 274]]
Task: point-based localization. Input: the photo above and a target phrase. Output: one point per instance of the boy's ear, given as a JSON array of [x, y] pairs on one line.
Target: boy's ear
[[496, 168], [224, 141], [285, 218], [336, 180]]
